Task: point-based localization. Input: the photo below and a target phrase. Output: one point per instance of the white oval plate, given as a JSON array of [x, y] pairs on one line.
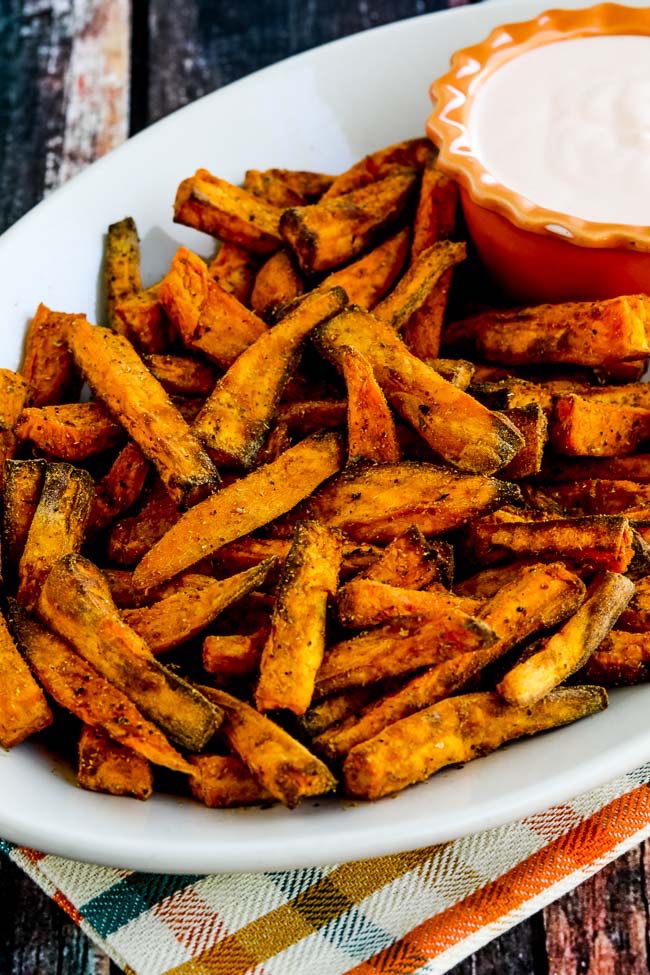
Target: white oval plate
[[320, 110]]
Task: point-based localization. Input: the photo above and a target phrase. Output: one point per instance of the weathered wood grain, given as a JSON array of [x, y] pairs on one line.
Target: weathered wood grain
[[517, 952]]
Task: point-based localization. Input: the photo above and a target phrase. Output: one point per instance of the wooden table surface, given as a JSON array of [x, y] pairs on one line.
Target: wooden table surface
[[77, 77]]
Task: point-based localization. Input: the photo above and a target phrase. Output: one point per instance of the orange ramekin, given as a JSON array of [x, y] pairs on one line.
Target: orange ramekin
[[533, 253]]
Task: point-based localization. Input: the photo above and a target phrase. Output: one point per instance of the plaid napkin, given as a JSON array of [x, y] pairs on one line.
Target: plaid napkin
[[419, 912]]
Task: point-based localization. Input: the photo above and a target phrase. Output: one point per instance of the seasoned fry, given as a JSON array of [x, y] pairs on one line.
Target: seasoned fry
[[234, 656], [435, 217], [133, 536], [279, 763], [70, 432], [367, 280], [376, 503], [636, 617], [296, 644], [458, 372], [277, 284], [22, 491], [590, 428], [23, 708], [77, 687], [286, 187], [538, 597], [533, 426], [590, 333], [410, 154], [412, 562], [371, 428], [58, 527], [413, 308], [217, 207], [453, 423], [221, 781], [48, 366], [335, 709], [234, 269], [487, 582], [121, 266], [593, 497], [106, 766], [363, 602], [241, 508], [401, 647], [335, 230], [303, 418], [13, 396], [120, 487], [140, 318], [600, 542], [250, 551], [237, 417], [208, 319], [454, 731], [621, 660], [182, 375], [182, 615], [563, 470], [117, 374], [567, 650], [76, 602]]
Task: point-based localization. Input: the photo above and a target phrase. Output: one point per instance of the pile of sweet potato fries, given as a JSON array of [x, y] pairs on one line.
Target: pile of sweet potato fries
[[366, 560]]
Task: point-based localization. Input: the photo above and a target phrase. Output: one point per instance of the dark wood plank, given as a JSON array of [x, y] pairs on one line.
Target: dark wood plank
[[520, 951]]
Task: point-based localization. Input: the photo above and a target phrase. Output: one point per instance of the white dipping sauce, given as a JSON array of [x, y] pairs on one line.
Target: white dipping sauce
[[568, 127]]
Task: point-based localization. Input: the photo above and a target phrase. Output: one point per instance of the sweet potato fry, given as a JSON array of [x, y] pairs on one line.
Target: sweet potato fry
[[208, 319], [302, 418], [621, 660], [590, 428], [412, 307], [234, 656], [106, 766], [249, 551], [600, 542], [487, 582], [58, 527], [371, 428], [400, 647], [410, 154], [335, 230], [296, 644], [376, 503], [336, 708], [533, 426], [540, 596], [119, 377], [512, 394], [77, 687], [74, 431], [133, 536], [182, 615], [286, 187], [363, 603], [23, 708], [22, 491], [120, 487], [241, 508], [13, 396], [560, 470], [222, 781], [237, 417], [234, 269], [367, 280], [412, 562], [636, 617], [457, 730], [182, 375], [48, 366], [217, 207], [126, 596], [141, 319], [590, 333], [593, 497], [452, 422], [458, 372], [435, 217], [567, 650], [76, 602], [280, 764], [276, 284], [121, 266]]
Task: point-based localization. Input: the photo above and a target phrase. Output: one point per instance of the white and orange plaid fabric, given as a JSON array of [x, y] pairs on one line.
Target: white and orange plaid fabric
[[418, 912]]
